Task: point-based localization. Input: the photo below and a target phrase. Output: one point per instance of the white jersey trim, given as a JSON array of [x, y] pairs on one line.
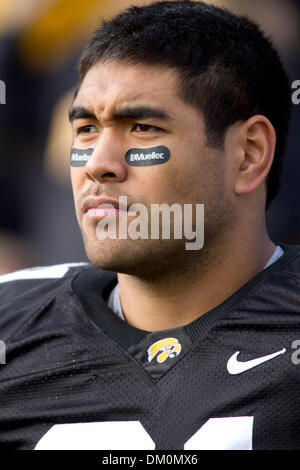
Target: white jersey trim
[[40, 272]]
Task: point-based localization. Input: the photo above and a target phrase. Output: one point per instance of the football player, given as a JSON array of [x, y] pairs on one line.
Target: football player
[[156, 344]]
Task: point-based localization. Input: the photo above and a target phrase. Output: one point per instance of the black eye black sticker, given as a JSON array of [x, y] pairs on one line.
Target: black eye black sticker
[[150, 156], [79, 157]]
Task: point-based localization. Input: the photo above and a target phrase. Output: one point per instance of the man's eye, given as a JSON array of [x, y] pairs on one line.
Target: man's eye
[[144, 128], [87, 129]]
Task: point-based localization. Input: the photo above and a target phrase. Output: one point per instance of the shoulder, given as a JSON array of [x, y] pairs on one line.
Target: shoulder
[[39, 278], [26, 291], [54, 271]]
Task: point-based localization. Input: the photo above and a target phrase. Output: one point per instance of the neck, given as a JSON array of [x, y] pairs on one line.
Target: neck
[[178, 299]]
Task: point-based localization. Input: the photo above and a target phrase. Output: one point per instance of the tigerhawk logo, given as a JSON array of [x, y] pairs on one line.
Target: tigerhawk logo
[[164, 348]]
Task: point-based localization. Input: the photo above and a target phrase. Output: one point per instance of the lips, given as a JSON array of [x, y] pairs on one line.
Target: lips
[[96, 208], [100, 203]]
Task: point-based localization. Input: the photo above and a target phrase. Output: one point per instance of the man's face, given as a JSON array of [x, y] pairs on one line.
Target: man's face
[[121, 107]]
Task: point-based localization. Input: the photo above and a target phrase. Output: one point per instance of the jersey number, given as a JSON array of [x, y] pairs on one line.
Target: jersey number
[[232, 433]]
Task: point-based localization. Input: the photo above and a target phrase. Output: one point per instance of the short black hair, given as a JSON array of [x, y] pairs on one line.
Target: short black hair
[[227, 67]]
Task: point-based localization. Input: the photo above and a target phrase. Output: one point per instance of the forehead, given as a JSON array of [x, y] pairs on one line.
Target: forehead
[[112, 84]]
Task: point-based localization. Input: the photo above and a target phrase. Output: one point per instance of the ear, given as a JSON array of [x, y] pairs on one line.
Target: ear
[[258, 140]]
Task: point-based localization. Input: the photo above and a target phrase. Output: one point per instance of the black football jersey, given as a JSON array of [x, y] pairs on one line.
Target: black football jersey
[[73, 375]]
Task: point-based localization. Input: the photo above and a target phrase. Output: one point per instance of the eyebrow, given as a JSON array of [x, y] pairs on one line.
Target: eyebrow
[[142, 112], [78, 112], [132, 112]]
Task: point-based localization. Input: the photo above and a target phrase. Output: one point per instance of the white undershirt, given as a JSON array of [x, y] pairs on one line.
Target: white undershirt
[[114, 297]]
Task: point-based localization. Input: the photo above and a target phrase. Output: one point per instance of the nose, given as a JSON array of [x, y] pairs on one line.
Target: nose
[[107, 162]]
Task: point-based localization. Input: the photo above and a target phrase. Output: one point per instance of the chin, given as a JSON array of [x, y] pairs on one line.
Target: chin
[[150, 261], [113, 255]]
